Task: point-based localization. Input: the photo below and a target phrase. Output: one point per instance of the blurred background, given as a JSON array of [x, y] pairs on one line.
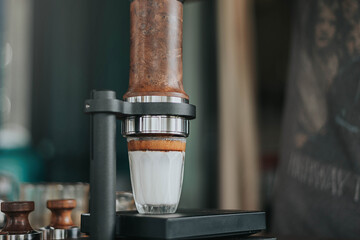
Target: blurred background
[[53, 53]]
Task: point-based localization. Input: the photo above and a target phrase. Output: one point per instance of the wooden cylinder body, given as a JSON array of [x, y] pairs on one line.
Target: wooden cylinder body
[[156, 49]]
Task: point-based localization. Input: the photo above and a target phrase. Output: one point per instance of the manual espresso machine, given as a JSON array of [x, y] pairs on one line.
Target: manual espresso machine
[[154, 115]]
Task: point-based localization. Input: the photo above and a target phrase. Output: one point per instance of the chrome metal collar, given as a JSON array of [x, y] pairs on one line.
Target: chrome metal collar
[[158, 124], [35, 235], [144, 99], [50, 233]]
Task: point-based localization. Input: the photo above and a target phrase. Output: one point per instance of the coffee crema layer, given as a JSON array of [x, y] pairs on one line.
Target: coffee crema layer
[[156, 145]]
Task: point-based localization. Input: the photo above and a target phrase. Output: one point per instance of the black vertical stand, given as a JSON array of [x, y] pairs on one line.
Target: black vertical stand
[[103, 171], [105, 109]]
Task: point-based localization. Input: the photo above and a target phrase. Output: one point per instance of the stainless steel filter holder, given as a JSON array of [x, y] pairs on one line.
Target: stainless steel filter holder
[[158, 124]]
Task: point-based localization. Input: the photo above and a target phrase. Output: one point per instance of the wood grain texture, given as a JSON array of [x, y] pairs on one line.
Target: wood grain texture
[[156, 49], [61, 213], [17, 217]]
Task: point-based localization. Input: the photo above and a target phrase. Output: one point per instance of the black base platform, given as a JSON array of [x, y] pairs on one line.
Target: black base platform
[[185, 224]]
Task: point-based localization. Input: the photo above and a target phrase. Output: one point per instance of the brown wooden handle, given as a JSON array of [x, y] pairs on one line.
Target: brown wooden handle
[[156, 49], [61, 213], [17, 213]]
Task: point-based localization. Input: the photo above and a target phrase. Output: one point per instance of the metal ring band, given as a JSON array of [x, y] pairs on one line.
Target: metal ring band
[[151, 99], [159, 124], [35, 235], [50, 233]]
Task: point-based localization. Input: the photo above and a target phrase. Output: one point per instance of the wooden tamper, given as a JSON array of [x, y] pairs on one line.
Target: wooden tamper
[[61, 213], [17, 221]]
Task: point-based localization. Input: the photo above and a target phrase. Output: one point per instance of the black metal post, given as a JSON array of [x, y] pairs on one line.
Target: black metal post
[[103, 171]]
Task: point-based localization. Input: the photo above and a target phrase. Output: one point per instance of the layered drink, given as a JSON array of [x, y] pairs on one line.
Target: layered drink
[[156, 166]]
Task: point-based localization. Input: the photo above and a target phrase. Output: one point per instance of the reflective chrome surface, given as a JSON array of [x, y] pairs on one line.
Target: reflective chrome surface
[[50, 233], [31, 236], [162, 124], [46, 232], [156, 125], [156, 99]]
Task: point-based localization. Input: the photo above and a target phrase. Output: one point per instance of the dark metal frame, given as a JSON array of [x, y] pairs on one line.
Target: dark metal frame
[[105, 109]]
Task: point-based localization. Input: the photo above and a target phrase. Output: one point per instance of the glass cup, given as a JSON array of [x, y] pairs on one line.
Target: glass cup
[[156, 168]]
